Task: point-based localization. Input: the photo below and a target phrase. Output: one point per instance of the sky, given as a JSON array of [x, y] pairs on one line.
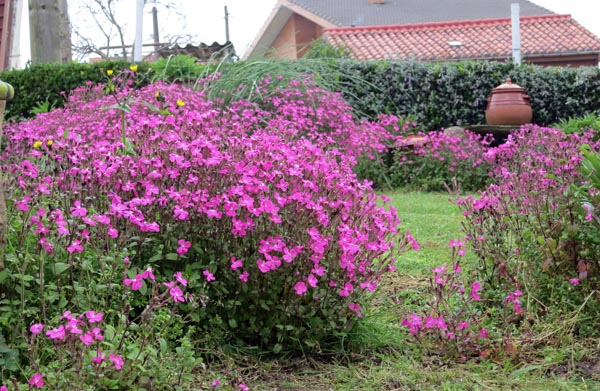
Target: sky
[[203, 20]]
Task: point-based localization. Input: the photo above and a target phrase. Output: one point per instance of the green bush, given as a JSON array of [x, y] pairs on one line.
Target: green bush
[[178, 68], [580, 125], [40, 85]]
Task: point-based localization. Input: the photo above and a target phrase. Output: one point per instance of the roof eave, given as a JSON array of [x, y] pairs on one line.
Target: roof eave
[[275, 22]]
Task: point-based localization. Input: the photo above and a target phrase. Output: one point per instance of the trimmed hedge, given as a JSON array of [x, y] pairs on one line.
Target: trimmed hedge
[[437, 95], [440, 95], [40, 83]]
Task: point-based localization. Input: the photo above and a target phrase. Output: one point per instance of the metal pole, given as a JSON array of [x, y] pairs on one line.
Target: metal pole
[[516, 33], [139, 21], [226, 25], [155, 24]]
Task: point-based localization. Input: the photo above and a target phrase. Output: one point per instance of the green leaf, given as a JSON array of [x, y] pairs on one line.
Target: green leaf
[[163, 346], [277, 348], [172, 256], [60, 267], [233, 324], [109, 333]]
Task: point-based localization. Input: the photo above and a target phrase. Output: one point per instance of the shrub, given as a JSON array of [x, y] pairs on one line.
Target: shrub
[[40, 83], [526, 227], [180, 68], [452, 321], [439, 160], [276, 238], [589, 122]]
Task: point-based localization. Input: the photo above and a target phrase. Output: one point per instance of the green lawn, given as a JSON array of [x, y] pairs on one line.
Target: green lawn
[[380, 356]]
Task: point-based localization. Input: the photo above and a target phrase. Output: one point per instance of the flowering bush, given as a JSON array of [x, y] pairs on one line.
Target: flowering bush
[[436, 160], [527, 226], [453, 320], [254, 209]]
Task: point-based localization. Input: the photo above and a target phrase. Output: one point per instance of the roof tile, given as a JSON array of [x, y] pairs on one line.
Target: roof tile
[[481, 39]]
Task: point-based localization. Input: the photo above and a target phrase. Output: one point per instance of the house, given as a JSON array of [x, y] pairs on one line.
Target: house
[[427, 30]]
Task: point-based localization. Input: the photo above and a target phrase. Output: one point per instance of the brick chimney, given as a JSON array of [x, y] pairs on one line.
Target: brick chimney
[[376, 1]]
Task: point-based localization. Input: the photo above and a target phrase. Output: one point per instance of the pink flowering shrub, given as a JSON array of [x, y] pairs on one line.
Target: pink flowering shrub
[[527, 226], [256, 208], [453, 322], [434, 160]]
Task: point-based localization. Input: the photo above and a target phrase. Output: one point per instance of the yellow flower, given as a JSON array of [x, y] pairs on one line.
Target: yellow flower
[[109, 72], [133, 67], [37, 144], [180, 103], [49, 143]]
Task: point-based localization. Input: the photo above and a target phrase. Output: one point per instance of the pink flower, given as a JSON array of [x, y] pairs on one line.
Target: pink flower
[[113, 232], [136, 282], [75, 247], [99, 357], [57, 333], [300, 288], [176, 294], [87, 338], [180, 213], [244, 276], [94, 317], [36, 328], [148, 273], [355, 308], [312, 281], [78, 210], [236, 263], [184, 246], [97, 334], [414, 323], [209, 276], [180, 279], [574, 281], [345, 292], [439, 269], [37, 380], [117, 360], [475, 288], [243, 387], [483, 333], [3, 388]]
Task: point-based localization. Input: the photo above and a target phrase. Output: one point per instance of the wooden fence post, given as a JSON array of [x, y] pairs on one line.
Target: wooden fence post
[[7, 92]]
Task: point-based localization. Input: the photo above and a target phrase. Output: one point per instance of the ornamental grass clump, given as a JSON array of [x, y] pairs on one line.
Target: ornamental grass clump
[[255, 206]]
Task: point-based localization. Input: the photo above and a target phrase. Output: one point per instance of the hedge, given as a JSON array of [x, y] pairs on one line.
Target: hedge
[[48, 84], [437, 95]]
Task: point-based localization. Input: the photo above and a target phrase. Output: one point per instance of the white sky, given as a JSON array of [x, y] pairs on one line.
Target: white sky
[[204, 19]]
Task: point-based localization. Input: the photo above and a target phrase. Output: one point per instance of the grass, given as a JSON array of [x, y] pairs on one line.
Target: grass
[[378, 355]]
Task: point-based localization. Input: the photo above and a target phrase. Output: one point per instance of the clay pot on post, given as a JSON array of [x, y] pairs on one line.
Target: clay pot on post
[[508, 104]]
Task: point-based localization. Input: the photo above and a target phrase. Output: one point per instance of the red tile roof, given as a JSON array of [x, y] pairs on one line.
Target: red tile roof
[[479, 39]]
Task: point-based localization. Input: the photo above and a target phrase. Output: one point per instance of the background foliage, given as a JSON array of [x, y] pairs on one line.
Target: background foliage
[[437, 95]]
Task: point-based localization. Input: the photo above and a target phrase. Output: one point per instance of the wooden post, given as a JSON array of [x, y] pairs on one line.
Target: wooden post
[[49, 33], [7, 92]]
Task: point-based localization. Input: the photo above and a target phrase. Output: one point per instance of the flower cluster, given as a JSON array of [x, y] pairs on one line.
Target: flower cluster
[[452, 320]]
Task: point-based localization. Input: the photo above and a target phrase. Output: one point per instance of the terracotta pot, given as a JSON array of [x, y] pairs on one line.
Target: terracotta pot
[[508, 104]]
